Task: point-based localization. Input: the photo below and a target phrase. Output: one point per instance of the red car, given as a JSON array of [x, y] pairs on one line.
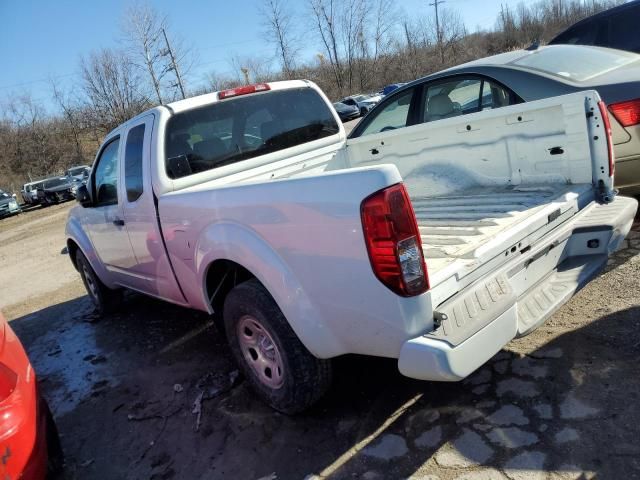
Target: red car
[[29, 444]]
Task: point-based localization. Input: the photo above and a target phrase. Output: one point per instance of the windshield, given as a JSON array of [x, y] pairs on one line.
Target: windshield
[[576, 63], [229, 131], [55, 182]]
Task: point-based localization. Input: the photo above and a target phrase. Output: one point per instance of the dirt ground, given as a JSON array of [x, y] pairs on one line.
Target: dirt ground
[[126, 389]]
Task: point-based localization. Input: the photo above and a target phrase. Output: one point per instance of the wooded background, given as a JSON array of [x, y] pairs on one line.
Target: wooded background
[[362, 46]]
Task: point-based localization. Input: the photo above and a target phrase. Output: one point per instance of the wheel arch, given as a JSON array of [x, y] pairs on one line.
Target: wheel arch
[[233, 249]]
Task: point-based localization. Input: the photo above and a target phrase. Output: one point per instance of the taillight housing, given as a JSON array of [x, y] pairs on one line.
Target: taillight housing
[[393, 241], [235, 92], [607, 127], [8, 381], [627, 113]]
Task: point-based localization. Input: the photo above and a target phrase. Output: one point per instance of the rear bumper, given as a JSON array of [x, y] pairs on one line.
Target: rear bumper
[[23, 423], [483, 318]]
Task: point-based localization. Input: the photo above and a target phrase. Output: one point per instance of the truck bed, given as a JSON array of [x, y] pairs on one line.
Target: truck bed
[[455, 227]]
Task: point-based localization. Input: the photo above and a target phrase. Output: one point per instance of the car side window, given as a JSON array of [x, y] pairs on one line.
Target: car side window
[[451, 98], [495, 96], [461, 96], [391, 116], [133, 163], [106, 176]]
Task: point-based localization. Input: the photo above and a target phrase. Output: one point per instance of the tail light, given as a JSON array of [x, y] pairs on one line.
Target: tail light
[[8, 381], [393, 241], [627, 113], [234, 92], [607, 127]]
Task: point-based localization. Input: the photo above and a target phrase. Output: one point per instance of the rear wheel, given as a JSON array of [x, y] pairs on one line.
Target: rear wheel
[[104, 299], [275, 362]]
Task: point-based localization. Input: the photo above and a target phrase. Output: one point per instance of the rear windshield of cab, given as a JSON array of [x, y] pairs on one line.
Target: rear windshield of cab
[[241, 128]]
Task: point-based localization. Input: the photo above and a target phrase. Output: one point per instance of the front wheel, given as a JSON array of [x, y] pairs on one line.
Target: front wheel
[[275, 362], [104, 299]]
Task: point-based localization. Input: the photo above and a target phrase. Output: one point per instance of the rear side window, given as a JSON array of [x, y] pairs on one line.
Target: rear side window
[[133, 163], [451, 98], [238, 129]]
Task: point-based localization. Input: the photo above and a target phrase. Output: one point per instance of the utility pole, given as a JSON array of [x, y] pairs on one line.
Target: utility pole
[[438, 33], [174, 64]]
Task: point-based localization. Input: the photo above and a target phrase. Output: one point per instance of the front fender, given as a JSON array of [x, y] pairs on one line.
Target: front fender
[[75, 232], [235, 242]]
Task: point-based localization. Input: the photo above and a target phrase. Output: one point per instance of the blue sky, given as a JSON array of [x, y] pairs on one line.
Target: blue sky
[[44, 39]]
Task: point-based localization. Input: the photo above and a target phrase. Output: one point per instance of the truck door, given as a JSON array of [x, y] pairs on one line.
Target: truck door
[[105, 220], [151, 273]]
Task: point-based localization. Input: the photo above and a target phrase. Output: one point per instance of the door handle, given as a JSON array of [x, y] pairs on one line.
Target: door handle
[[118, 222]]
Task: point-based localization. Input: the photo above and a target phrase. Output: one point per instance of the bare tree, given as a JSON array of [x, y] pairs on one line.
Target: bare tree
[[279, 31], [151, 47], [71, 117], [326, 24], [112, 87], [142, 31]]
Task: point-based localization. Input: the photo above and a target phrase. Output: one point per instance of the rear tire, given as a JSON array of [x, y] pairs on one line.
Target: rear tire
[[104, 299], [283, 373]]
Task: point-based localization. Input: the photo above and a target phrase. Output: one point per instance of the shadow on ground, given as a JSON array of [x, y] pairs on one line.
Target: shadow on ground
[[125, 391]]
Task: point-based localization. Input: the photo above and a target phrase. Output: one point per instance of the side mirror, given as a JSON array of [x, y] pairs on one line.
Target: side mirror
[[83, 197]]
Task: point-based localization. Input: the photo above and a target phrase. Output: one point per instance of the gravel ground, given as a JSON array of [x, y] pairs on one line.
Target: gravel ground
[[152, 392]]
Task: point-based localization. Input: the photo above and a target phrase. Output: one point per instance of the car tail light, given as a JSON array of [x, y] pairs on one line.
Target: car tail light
[[393, 241], [8, 381], [234, 92], [607, 128], [627, 113]]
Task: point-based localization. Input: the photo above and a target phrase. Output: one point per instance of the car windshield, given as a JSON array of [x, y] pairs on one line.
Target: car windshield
[[576, 63], [55, 182], [229, 131]]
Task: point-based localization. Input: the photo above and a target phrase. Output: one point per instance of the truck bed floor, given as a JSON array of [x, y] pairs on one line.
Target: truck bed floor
[[454, 226]]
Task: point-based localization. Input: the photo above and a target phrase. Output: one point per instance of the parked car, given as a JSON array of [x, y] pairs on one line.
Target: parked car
[[79, 173], [29, 193], [56, 189], [519, 76], [29, 441], [391, 88], [346, 112], [8, 204], [364, 103], [616, 27], [434, 245]]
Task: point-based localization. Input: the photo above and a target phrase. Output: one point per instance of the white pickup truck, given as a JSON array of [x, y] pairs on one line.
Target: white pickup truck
[[434, 244]]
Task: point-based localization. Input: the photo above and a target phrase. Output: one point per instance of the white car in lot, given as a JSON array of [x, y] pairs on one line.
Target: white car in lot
[[434, 244]]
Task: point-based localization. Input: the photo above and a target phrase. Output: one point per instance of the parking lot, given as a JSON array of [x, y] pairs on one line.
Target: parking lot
[[152, 391]]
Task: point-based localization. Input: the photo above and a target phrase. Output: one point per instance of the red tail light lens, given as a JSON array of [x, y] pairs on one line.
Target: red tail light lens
[[607, 127], [393, 241], [234, 92], [627, 113], [8, 381]]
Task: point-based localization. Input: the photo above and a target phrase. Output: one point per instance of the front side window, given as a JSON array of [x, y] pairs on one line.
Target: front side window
[[391, 116], [237, 129], [106, 176], [133, 163]]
